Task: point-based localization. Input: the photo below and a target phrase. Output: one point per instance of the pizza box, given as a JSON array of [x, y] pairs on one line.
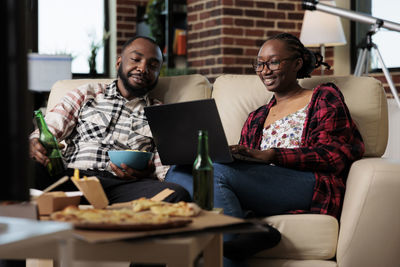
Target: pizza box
[[53, 201], [206, 221]]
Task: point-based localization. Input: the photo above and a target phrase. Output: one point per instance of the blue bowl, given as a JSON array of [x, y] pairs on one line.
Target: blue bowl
[[135, 159]]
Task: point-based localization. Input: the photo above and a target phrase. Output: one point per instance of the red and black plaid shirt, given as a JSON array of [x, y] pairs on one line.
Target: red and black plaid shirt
[[330, 143]]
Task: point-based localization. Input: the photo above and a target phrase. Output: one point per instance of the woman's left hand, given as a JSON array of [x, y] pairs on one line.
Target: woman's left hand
[[265, 155], [127, 173]]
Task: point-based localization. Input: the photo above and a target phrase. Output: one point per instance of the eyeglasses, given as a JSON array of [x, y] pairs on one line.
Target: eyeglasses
[[272, 65]]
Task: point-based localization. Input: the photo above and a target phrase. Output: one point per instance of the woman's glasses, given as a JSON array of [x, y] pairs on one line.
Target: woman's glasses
[[272, 65]]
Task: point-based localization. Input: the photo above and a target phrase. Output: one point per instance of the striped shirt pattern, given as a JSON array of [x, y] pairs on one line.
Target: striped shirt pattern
[[96, 118]]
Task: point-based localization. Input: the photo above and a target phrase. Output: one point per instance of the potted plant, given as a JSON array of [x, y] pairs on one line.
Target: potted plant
[[94, 49], [154, 18]]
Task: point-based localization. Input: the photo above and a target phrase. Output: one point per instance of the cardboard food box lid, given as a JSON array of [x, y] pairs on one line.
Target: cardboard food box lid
[[54, 201], [92, 190]]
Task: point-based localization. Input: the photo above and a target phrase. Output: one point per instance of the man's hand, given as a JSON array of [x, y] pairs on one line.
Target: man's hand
[[128, 173], [265, 155], [38, 152]]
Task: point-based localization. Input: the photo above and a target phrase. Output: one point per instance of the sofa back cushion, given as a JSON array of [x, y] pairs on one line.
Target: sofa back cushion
[[237, 95], [169, 89]]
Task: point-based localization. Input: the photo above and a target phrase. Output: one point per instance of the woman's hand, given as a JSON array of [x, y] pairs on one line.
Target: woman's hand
[[265, 155], [128, 173]]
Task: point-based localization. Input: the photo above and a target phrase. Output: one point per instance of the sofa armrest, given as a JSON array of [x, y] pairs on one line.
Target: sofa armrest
[[370, 222]]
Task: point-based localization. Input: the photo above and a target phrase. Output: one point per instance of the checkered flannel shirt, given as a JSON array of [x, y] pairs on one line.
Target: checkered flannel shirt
[[95, 118], [330, 143]]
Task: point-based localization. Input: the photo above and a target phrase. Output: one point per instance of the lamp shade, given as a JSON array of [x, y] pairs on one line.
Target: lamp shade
[[45, 70], [321, 28]]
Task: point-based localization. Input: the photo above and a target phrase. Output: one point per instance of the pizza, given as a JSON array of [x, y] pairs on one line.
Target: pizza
[[180, 209], [116, 219], [141, 214], [143, 204]]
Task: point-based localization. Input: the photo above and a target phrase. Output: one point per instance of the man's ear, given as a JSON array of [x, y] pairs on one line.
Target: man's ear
[[119, 59]]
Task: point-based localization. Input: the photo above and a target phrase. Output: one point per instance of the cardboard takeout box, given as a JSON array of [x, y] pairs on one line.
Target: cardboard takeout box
[[54, 201]]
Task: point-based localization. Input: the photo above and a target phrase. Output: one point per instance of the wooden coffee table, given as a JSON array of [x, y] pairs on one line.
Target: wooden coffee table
[[53, 240], [174, 252]]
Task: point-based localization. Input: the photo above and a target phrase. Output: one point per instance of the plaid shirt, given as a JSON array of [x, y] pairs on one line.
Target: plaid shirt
[[330, 143], [95, 118]]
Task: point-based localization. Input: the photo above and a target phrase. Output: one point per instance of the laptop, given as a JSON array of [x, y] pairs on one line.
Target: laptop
[[175, 131]]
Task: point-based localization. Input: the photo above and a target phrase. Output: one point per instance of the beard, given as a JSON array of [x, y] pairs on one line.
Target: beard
[[137, 91]]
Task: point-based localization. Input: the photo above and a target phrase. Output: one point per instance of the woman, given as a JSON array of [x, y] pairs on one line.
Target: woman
[[306, 138]]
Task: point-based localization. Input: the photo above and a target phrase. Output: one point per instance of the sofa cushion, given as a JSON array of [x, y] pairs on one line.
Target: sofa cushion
[[304, 237], [60, 88], [237, 95], [169, 89], [367, 103], [175, 89]]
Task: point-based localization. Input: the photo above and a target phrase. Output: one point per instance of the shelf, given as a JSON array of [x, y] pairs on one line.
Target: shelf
[[175, 20]]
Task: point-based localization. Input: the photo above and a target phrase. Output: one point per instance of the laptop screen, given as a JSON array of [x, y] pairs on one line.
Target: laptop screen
[[175, 130]]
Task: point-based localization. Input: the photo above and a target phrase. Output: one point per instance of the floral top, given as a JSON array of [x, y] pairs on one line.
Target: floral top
[[286, 132]]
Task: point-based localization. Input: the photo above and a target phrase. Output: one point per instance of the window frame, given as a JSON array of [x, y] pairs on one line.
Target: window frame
[[33, 38], [106, 73], [359, 31]]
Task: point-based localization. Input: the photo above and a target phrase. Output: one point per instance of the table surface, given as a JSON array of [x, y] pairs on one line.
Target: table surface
[[14, 230]]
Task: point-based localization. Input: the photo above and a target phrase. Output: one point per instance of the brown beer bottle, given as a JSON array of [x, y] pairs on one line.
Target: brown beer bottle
[[203, 174], [48, 140]]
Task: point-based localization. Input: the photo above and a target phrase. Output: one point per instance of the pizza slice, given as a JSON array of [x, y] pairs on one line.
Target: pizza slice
[[143, 204], [181, 209]]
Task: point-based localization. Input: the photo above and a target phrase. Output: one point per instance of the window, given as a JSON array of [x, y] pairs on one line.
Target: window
[[74, 27], [386, 40]]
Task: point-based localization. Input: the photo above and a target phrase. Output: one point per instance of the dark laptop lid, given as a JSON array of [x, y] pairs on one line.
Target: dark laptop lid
[[175, 130]]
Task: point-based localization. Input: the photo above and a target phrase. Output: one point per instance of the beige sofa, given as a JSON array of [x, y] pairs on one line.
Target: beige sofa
[[368, 233]]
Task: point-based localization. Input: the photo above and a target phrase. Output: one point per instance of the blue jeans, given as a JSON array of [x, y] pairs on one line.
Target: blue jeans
[[243, 188]]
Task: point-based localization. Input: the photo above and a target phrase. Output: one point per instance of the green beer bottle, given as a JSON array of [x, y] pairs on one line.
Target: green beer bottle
[[203, 174], [47, 139]]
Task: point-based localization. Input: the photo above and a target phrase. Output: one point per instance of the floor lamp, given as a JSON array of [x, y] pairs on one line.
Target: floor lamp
[[322, 30]]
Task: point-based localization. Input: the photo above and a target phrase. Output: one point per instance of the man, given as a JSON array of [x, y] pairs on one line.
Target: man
[[96, 118]]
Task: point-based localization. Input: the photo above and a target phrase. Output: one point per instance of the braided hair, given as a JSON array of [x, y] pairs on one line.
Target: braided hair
[[311, 60]]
